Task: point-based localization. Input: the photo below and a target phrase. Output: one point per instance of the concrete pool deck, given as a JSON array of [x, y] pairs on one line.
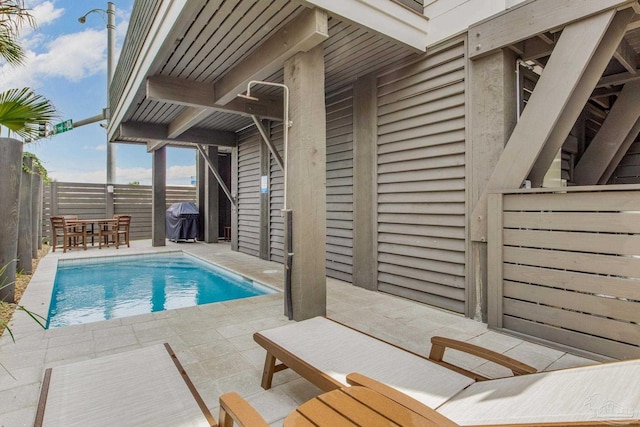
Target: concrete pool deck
[[214, 342]]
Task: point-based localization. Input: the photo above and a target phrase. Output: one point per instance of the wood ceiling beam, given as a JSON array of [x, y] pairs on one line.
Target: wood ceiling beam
[[579, 59], [617, 79], [390, 20], [157, 135], [618, 131], [190, 117], [626, 56], [531, 18], [535, 48], [306, 31], [201, 95]]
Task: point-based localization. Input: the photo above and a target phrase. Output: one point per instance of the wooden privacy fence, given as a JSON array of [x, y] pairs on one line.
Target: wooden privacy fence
[[564, 266], [89, 201]]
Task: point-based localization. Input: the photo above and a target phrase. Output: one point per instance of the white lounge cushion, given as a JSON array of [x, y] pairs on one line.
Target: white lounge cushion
[[337, 351], [609, 391]]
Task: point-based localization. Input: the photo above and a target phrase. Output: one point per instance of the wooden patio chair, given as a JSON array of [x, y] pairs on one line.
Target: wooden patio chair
[[72, 235], [124, 223], [108, 233]]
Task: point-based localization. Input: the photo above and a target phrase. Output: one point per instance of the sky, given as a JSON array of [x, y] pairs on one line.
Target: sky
[[67, 64]]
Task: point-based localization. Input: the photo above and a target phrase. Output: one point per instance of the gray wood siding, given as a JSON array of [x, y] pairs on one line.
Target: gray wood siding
[[339, 245], [276, 197], [628, 171], [565, 267], [248, 202], [421, 180]]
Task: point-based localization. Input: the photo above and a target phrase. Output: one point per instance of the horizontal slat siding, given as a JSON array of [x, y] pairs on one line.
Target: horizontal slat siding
[[88, 202], [421, 180], [136, 200], [571, 269], [276, 197], [249, 192], [339, 244], [628, 171]]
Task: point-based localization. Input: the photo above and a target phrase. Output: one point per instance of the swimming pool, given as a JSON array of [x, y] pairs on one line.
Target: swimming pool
[[95, 289]]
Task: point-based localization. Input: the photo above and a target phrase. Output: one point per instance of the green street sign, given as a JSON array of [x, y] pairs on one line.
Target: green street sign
[[63, 127]]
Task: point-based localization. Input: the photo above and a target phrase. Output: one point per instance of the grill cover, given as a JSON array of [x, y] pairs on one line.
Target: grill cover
[[182, 221]]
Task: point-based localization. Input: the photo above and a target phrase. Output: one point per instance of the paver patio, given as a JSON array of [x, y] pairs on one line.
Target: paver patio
[[214, 341]]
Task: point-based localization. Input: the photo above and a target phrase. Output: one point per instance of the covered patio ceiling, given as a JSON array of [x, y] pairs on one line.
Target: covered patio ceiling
[[187, 94]]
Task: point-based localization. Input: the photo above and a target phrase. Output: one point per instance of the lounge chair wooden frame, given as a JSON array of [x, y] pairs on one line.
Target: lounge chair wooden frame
[[323, 381], [529, 394]]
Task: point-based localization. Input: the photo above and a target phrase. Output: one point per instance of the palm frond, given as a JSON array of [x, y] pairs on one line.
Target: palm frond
[[10, 50], [22, 111]]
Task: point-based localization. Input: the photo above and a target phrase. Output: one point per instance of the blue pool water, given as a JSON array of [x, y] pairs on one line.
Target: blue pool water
[[99, 289]]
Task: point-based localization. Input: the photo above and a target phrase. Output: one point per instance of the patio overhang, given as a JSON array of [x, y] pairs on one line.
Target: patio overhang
[[186, 71]]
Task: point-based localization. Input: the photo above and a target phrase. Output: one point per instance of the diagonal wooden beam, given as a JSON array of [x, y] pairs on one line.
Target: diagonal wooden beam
[[201, 95], [303, 33], [214, 171], [531, 18], [267, 140], [615, 132], [157, 135], [583, 88], [617, 79], [570, 62], [626, 56]]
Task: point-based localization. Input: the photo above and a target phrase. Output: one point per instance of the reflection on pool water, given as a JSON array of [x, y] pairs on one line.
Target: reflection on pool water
[[90, 290]]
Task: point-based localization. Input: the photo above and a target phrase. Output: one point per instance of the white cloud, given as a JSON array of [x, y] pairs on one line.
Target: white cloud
[[72, 56], [175, 172], [102, 147], [176, 175], [44, 12]]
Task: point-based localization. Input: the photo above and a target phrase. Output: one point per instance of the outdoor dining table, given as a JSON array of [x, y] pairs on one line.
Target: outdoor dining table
[[101, 222]]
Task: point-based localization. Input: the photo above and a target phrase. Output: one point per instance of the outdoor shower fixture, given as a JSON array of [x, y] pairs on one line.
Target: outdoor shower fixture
[[287, 214]]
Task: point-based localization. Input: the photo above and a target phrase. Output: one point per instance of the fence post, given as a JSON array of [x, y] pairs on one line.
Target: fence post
[[494, 260], [24, 220], [36, 201], [109, 209], [10, 170]]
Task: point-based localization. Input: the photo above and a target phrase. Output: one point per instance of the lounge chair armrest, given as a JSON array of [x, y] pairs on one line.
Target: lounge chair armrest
[[439, 344], [356, 379], [234, 408]]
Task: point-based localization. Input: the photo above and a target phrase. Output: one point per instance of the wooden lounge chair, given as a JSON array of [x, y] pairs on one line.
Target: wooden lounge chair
[[600, 395], [72, 235], [324, 352]]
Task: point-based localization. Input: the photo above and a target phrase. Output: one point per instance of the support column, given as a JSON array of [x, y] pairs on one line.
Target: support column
[[159, 202], [306, 181], [365, 267], [201, 169], [492, 118], [211, 200]]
